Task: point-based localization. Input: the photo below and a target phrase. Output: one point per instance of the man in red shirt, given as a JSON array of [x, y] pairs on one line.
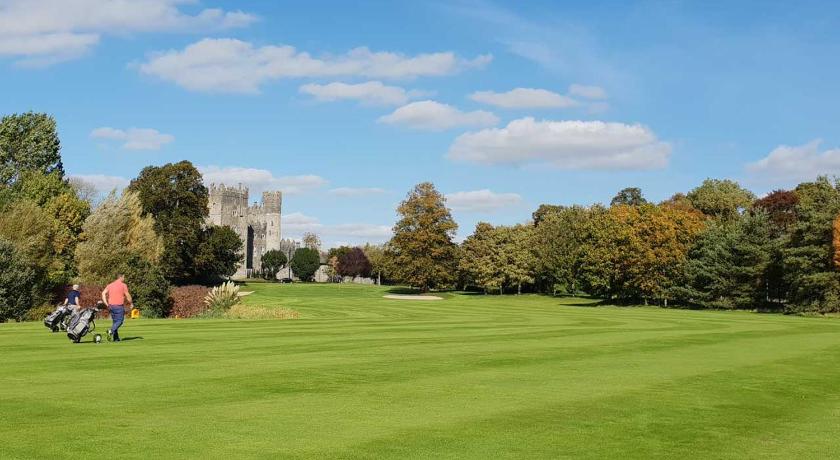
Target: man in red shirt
[[115, 296]]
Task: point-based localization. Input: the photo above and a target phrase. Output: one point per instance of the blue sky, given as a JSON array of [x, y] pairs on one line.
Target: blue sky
[[503, 105]]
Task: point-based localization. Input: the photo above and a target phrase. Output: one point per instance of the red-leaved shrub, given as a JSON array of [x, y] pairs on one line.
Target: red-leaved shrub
[[188, 301], [89, 294]]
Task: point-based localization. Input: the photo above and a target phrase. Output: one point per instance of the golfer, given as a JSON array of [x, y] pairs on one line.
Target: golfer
[[73, 298], [115, 296]]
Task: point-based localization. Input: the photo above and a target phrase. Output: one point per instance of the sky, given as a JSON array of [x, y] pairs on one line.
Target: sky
[[345, 106]]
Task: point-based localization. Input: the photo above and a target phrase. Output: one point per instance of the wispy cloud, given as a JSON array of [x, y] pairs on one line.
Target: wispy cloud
[[235, 66], [259, 180], [134, 138], [435, 116]]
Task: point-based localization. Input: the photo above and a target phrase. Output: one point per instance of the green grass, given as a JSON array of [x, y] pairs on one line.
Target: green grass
[[471, 376]]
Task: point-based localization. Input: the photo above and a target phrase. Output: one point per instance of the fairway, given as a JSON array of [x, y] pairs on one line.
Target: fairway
[[470, 376]]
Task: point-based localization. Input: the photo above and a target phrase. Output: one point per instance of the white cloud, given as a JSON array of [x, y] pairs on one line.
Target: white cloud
[[259, 180], [564, 144], [295, 224], [134, 138], [792, 164], [434, 116], [46, 31], [235, 66], [370, 93], [102, 183], [587, 92], [524, 98], [356, 191], [484, 201]]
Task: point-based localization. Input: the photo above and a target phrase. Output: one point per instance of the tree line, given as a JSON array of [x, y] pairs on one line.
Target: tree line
[[717, 246]]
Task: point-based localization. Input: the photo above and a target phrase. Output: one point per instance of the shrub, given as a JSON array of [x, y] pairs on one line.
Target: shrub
[[271, 263], [38, 313], [188, 301], [222, 297], [17, 281], [252, 312]]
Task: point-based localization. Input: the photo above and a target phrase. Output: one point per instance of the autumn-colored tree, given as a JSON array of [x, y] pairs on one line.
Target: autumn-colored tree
[[422, 249], [543, 211], [354, 263], [836, 241], [517, 261], [311, 241], [636, 252], [780, 205]]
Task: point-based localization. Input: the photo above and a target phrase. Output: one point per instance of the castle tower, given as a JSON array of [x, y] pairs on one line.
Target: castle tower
[[272, 205]]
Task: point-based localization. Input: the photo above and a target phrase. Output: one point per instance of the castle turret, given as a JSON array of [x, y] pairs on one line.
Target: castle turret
[[272, 203]]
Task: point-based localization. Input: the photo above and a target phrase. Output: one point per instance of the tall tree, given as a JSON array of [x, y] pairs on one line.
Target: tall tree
[[422, 248], [28, 141], [219, 253], [727, 266], [481, 259], [114, 232], [559, 242], [17, 283], [723, 199], [311, 241], [175, 195], [809, 254], [543, 211], [379, 263], [637, 252], [518, 259], [780, 205], [305, 263], [630, 196]]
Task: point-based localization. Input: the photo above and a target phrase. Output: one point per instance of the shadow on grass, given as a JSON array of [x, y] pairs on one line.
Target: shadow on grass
[[126, 339]]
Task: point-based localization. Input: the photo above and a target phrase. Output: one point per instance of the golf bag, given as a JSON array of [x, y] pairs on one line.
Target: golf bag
[[80, 324], [58, 319]]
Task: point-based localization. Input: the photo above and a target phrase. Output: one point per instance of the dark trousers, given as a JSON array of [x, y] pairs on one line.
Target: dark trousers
[[117, 315]]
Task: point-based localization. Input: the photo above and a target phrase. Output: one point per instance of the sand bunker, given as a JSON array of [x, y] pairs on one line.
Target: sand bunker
[[412, 297]]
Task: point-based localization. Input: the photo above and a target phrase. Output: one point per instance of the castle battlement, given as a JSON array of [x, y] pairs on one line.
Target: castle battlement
[[257, 224]]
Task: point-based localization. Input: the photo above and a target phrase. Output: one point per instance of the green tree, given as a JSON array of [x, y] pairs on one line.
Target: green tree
[[727, 265], [305, 263], [422, 249], [28, 141], [480, 259], [219, 253], [379, 262], [32, 231], [114, 232], [814, 283], [271, 263], [518, 261], [630, 196], [559, 242], [723, 199], [175, 196], [543, 211], [148, 286], [17, 283]]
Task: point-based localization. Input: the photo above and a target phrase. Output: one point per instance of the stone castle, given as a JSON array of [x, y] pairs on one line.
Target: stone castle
[[257, 224]]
